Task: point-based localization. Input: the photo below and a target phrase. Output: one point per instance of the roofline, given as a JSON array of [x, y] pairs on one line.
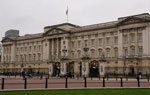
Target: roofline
[[134, 15], [61, 25]]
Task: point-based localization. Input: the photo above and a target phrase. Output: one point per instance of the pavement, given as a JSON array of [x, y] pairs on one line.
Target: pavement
[[17, 84]]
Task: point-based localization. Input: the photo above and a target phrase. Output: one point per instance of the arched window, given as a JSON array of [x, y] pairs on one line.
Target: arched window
[[79, 54], [92, 53], [100, 53]]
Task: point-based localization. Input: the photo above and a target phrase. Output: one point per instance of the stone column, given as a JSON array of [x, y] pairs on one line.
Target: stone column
[[120, 41], [145, 37], [57, 49]]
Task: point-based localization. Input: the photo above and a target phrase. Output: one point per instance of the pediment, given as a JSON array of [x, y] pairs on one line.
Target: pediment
[[131, 20], [55, 31], [7, 39]]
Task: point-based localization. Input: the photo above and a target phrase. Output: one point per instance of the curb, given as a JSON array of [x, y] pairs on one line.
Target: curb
[[100, 88]]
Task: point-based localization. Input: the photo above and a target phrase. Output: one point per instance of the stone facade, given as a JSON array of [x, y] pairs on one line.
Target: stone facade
[[120, 47]]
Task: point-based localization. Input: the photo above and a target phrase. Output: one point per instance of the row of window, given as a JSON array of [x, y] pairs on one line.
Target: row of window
[[7, 50], [108, 53], [140, 50], [7, 58], [29, 57], [29, 49], [131, 37], [100, 55], [93, 42]]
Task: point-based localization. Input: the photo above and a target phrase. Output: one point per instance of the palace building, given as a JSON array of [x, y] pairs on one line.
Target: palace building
[[120, 47]]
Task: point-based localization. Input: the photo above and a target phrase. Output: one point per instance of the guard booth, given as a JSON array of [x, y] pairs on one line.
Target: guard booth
[[56, 69], [94, 69]]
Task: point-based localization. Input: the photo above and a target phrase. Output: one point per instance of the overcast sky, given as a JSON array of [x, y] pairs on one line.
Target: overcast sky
[[30, 16]]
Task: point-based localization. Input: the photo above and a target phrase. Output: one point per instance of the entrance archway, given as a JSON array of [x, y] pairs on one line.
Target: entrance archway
[[94, 69], [70, 69], [131, 71], [56, 69]]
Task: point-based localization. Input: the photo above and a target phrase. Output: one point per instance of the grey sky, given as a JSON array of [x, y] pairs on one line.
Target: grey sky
[[30, 16]]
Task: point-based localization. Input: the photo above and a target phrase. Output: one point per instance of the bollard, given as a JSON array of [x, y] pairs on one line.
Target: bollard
[[85, 82], [46, 82], [138, 80], [25, 83], [103, 81], [66, 84], [3, 83], [121, 82]]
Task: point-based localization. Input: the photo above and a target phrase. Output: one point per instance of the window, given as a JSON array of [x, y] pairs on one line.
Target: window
[[92, 42], [92, 53], [30, 48], [25, 58], [125, 38], [25, 49], [100, 54], [100, 42], [79, 44], [72, 44], [126, 52], [21, 49], [34, 57], [72, 54], [35, 48], [140, 51], [107, 41], [116, 40], [29, 57], [86, 43], [108, 53], [132, 37], [116, 52], [140, 37], [132, 51]]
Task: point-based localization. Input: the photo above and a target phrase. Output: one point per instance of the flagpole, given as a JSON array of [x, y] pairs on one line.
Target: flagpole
[[67, 12], [67, 15]]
